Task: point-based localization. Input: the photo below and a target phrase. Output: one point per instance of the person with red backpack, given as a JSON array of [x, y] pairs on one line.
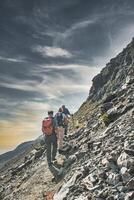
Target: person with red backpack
[[60, 118], [49, 129]]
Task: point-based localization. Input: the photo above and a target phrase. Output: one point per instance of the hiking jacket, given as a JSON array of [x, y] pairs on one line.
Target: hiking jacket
[[66, 111]]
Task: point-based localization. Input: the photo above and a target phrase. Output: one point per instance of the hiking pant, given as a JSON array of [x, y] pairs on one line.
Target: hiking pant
[[51, 146], [60, 136]]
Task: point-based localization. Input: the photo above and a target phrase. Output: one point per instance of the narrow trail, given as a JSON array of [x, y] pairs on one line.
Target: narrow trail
[[37, 186]]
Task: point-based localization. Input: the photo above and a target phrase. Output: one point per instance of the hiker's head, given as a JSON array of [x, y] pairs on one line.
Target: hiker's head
[[60, 110], [63, 106], [50, 113]]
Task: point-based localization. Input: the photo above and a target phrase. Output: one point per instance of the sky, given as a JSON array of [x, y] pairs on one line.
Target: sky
[[49, 52]]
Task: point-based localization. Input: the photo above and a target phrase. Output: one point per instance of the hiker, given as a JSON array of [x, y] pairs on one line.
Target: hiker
[[67, 114], [60, 118], [49, 129]]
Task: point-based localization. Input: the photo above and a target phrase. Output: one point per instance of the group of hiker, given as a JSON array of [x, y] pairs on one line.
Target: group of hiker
[[54, 128]]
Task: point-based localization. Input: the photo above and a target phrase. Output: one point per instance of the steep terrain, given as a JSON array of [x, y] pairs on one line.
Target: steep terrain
[[99, 155]]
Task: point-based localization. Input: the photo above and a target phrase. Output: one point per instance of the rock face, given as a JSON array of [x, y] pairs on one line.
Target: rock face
[[98, 160], [106, 169], [116, 73]]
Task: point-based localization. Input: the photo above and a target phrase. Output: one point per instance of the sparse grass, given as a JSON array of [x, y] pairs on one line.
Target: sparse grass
[[105, 118], [84, 113]]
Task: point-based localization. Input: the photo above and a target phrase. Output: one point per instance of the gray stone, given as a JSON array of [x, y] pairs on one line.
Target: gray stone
[[110, 198], [105, 162], [129, 196], [129, 151], [70, 161], [130, 184], [125, 160], [121, 188], [80, 154], [121, 195], [125, 175], [114, 155], [93, 178], [113, 178], [102, 174]]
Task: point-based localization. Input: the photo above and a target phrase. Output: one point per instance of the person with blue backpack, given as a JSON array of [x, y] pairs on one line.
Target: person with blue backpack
[[60, 118]]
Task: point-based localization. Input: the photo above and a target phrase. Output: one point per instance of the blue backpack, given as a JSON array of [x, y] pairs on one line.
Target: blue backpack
[[59, 118]]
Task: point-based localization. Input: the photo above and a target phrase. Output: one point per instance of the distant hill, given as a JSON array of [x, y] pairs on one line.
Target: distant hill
[[17, 151]]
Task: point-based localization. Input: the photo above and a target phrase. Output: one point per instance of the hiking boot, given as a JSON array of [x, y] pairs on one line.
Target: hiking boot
[[50, 164], [58, 177], [60, 173], [60, 151]]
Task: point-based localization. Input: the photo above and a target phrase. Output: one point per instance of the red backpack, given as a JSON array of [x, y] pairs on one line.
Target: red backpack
[[47, 126]]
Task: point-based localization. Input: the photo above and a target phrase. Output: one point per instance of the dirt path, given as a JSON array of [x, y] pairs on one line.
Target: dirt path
[[37, 186]]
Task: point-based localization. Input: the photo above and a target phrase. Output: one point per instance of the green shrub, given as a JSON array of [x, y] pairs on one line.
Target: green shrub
[[105, 119]]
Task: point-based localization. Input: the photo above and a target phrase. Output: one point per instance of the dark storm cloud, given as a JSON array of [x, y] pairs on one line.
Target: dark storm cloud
[[41, 40], [83, 28]]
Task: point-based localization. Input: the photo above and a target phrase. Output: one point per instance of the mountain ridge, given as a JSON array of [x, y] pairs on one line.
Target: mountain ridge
[[16, 152], [99, 152]]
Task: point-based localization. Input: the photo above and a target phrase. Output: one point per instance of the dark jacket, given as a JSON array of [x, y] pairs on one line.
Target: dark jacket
[[66, 111]]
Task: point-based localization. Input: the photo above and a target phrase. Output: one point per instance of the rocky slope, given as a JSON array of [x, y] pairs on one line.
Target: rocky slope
[[98, 160]]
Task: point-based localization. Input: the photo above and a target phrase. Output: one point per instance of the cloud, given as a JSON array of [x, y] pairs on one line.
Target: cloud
[[62, 67], [76, 27], [15, 83], [79, 25], [52, 51], [59, 84], [16, 60], [76, 80]]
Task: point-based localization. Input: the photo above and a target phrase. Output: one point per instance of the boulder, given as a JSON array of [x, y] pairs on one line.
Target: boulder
[[124, 160], [110, 97], [129, 196], [106, 106], [125, 175], [113, 178], [130, 184]]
